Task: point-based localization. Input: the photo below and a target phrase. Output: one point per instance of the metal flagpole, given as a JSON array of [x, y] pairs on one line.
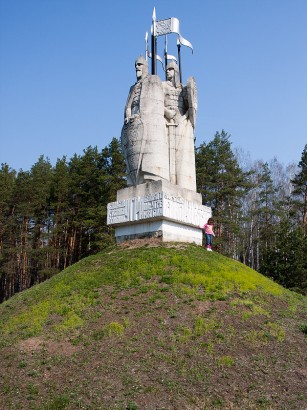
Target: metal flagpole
[[165, 55], [153, 44], [179, 60], [146, 46]]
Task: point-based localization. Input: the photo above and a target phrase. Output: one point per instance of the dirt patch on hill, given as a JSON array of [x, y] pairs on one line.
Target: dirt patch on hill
[[151, 243], [34, 344], [153, 349]]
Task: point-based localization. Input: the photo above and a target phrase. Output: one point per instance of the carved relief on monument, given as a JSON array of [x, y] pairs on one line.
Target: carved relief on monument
[[160, 204]]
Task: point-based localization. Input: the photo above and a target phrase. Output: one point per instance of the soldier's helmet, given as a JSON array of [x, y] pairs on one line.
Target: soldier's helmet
[[141, 60], [174, 65]]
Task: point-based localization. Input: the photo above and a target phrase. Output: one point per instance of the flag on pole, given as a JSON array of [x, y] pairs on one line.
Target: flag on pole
[[157, 58], [146, 46], [171, 25]]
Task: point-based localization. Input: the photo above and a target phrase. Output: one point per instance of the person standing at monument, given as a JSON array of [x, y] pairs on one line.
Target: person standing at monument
[[209, 233], [180, 106], [143, 137]]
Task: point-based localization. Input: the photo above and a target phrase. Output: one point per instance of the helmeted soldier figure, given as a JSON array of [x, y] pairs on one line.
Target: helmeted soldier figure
[[180, 106], [143, 136]]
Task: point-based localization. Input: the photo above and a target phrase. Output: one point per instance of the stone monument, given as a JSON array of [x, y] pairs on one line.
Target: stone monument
[[180, 107], [158, 145], [143, 138]]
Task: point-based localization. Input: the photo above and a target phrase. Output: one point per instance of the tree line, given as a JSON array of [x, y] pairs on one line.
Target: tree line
[[53, 216], [259, 210]]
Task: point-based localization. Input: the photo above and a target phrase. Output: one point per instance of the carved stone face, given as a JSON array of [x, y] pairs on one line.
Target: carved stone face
[[170, 74], [141, 68]]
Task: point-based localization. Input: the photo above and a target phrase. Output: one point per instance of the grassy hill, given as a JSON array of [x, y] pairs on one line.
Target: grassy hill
[[154, 327]]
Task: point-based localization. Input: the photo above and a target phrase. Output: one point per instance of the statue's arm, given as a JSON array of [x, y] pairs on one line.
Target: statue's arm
[[128, 106], [169, 114], [191, 91], [186, 103]]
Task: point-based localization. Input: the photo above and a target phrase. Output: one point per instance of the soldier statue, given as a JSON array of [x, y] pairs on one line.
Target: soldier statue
[[158, 133], [143, 137], [180, 106]]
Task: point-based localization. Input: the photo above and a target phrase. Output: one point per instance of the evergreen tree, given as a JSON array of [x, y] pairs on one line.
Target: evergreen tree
[[53, 217], [112, 179], [84, 197], [222, 183], [60, 216], [7, 183], [300, 190], [265, 212], [286, 261], [40, 182]]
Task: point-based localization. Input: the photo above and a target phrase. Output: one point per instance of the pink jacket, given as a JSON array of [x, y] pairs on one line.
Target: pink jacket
[[208, 229]]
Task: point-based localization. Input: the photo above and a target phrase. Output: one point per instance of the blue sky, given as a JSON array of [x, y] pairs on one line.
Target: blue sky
[[66, 67]]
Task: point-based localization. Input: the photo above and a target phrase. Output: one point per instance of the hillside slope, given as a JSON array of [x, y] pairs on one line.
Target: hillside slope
[[154, 327]]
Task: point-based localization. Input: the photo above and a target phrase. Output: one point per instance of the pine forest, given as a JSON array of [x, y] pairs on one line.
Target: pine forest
[[53, 216]]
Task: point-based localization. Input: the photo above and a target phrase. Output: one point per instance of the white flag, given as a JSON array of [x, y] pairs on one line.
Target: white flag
[[171, 25]]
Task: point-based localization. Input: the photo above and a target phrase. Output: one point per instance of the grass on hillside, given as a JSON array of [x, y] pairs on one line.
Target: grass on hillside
[[164, 327], [62, 302]]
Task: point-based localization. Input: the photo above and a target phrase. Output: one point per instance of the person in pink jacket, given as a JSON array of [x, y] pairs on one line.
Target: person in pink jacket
[[208, 229]]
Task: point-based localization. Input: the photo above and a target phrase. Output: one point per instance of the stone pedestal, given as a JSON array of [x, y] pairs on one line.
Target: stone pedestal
[[158, 209]]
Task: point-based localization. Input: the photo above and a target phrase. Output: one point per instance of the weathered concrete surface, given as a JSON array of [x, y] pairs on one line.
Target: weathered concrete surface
[[158, 209]]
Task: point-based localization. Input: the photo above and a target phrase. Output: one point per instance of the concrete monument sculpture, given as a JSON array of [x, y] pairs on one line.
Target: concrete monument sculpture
[[180, 107], [158, 145], [143, 137]]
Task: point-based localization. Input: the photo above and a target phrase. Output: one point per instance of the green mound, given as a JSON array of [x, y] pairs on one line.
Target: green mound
[[167, 326], [63, 301]]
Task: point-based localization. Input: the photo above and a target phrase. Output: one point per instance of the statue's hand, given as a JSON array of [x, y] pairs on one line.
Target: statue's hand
[[134, 117], [169, 114], [185, 116], [131, 118]]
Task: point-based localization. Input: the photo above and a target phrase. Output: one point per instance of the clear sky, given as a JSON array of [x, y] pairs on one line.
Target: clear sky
[[66, 67]]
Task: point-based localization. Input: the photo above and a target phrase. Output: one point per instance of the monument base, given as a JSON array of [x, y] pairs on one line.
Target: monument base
[[158, 209], [167, 231]]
